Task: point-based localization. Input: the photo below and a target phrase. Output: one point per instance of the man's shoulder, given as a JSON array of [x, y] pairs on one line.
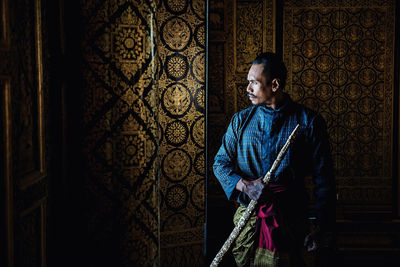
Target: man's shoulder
[[304, 113], [304, 109], [244, 113], [240, 117]]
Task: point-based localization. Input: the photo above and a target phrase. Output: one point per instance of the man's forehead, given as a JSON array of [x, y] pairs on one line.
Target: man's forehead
[[256, 72], [257, 67]]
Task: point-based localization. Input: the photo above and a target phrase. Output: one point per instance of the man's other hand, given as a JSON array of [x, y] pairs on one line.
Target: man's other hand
[[313, 240]]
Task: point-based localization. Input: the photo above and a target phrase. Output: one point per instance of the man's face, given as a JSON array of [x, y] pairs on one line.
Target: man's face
[[259, 89]]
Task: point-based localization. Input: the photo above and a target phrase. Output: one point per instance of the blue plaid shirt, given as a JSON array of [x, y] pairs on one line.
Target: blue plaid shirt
[[253, 140]]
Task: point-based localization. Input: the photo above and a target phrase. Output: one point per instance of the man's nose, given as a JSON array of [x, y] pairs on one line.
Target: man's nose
[[249, 89]]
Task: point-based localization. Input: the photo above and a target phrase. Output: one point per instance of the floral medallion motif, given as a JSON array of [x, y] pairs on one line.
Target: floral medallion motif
[[353, 91], [324, 34], [176, 7], [310, 48], [338, 105], [368, 18], [367, 76], [353, 62], [324, 91], [354, 33], [176, 67], [177, 220], [132, 149], [176, 197], [339, 19], [310, 19], [176, 133], [309, 77], [366, 105], [176, 165], [130, 42], [338, 77], [176, 100], [324, 63], [339, 48], [176, 34]]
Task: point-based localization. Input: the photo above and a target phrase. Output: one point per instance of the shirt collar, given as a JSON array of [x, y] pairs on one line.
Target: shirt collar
[[286, 103]]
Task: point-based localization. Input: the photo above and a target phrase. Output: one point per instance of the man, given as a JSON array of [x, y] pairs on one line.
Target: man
[[279, 230]]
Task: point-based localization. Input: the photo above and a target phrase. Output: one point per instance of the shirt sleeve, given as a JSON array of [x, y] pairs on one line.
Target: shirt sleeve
[[225, 161], [323, 175]]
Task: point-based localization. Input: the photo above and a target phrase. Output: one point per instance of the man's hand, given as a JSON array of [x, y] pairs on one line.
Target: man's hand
[[313, 240], [254, 189]]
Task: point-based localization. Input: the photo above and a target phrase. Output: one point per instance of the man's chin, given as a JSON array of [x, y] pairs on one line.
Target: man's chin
[[253, 101]]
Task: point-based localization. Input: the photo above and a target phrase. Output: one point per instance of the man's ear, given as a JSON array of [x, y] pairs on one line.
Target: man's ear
[[276, 83]]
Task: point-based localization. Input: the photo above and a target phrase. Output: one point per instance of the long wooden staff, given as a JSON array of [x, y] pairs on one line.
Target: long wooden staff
[[250, 208]]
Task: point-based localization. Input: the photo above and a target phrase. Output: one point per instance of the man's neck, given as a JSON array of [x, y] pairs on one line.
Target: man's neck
[[277, 100]]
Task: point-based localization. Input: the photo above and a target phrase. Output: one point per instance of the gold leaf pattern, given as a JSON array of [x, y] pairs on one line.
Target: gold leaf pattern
[[346, 78]]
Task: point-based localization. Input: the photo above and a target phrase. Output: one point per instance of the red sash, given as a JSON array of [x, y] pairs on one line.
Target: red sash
[[267, 220]]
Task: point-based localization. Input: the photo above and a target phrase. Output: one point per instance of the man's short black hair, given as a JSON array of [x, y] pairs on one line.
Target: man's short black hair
[[273, 67]]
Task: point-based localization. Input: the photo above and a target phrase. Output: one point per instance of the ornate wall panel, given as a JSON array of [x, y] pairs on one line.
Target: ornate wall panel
[[340, 58], [340, 62], [121, 131], [253, 33], [144, 71], [181, 50]]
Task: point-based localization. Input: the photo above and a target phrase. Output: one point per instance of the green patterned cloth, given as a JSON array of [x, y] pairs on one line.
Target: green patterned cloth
[[267, 258], [243, 247], [246, 254]]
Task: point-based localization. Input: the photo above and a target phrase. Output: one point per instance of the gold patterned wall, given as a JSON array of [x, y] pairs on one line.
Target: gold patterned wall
[[253, 33], [181, 50], [144, 88], [340, 57], [121, 131], [340, 62]]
